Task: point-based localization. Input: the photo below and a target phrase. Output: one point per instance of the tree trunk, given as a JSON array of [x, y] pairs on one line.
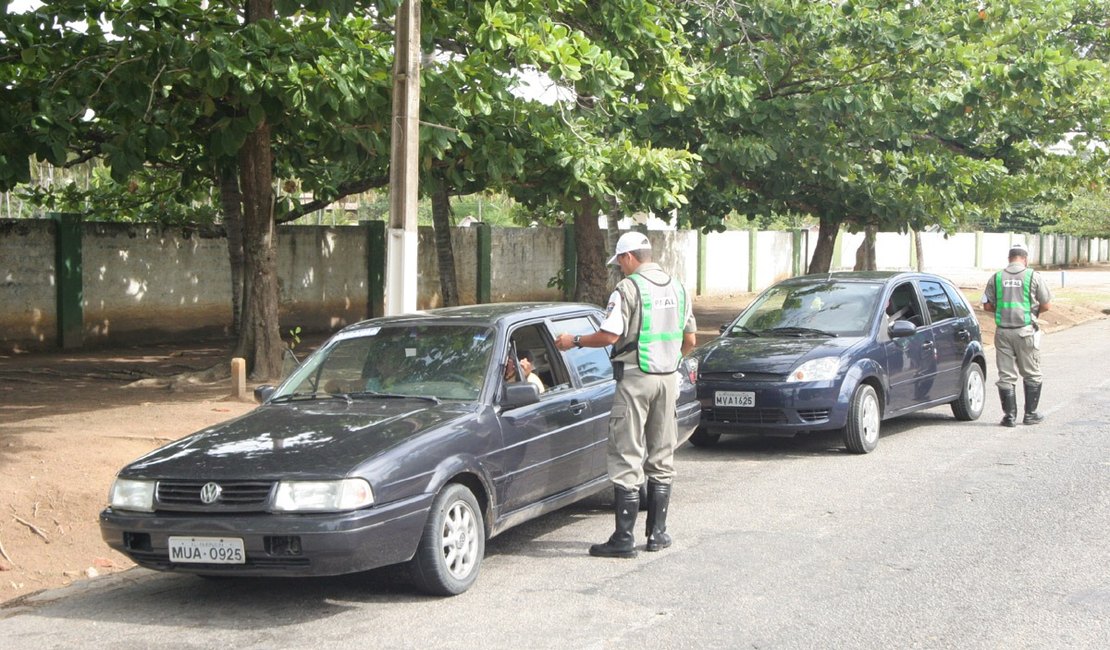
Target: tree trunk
[[260, 338], [919, 250], [231, 202], [612, 224], [590, 245], [865, 254], [445, 254], [823, 248]]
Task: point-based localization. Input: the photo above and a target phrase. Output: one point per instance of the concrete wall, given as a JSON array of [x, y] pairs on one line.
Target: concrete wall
[[27, 303], [727, 259], [144, 283], [150, 282], [323, 276]]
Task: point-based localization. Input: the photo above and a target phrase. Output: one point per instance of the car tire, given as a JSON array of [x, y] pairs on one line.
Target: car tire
[[969, 405], [450, 552], [861, 433], [702, 438]]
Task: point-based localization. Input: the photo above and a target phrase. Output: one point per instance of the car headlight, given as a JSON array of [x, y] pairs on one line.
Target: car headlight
[[129, 494], [823, 369], [323, 496]]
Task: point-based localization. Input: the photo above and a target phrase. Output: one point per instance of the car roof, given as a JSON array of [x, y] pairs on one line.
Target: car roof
[[885, 277], [492, 314]]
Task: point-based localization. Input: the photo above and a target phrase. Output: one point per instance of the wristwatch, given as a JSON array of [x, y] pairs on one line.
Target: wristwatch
[[577, 340]]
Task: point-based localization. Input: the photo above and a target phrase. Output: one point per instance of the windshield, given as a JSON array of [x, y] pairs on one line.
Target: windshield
[[824, 309], [423, 361]]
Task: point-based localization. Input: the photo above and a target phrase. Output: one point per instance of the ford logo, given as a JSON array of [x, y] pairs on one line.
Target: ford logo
[[210, 493], [738, 375]]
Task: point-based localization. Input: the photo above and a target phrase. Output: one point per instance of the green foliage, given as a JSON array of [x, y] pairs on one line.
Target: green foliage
[[1087, 215], [294, 337], [904, 115]]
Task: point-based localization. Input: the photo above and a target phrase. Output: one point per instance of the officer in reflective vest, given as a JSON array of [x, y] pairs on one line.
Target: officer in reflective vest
[[1017, 295], [650, 323]]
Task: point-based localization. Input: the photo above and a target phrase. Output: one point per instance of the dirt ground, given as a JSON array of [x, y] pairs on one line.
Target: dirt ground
[[69, 421]]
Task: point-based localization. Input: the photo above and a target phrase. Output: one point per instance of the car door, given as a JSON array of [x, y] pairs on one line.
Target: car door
[[593, 371], [910, 360], [544, 442], [950, 336]]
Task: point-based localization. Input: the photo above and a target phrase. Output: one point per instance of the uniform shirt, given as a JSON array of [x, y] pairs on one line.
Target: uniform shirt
[[1039, 292], [622, 317]]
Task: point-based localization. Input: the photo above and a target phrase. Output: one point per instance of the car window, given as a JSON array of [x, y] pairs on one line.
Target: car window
[[591, 364], [441, 361], [904, 305], [840, 308], [530, 348], [959, 304], [940, 308]]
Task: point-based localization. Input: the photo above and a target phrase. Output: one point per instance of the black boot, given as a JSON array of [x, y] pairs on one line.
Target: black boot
[[659, 499], [1009, 406], [622, 543], [1032, 399]]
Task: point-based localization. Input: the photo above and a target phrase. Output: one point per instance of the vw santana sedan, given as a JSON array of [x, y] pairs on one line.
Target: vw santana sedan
[[399, 440], [841, 351]]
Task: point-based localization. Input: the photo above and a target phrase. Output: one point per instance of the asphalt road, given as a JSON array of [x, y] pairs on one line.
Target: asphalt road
[[949, 535]]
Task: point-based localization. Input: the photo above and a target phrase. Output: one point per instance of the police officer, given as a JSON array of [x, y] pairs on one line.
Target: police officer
[[650, 323], [1017, 295]]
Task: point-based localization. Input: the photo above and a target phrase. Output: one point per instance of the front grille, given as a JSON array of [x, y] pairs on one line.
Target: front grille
[[745, 415], [235, 496], [748, 376]]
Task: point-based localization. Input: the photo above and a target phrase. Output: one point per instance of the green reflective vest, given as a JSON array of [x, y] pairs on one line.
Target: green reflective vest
[[1013, 295], [662, 320]]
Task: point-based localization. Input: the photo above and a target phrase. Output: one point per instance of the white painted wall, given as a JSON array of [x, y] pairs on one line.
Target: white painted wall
[[154, 283]]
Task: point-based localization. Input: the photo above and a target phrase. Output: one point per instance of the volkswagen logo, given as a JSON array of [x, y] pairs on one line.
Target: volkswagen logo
[[210, 493], [738, 375]]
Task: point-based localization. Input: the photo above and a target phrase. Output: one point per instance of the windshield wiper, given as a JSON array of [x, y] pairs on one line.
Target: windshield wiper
[[801, 331], [372, 393], [307, 397]]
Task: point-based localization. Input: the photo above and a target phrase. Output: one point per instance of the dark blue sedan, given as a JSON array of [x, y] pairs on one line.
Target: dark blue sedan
[[410, 439], [841, 351]]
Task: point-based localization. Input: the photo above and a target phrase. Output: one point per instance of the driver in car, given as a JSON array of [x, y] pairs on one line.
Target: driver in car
[[526, 370]]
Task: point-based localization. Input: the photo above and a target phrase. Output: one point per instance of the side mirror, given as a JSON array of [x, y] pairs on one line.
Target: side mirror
[[519, 393], [263, 392], [901, 329], [724, 328]]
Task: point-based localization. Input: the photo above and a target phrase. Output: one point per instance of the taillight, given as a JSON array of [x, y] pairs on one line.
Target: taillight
[[691, 369]]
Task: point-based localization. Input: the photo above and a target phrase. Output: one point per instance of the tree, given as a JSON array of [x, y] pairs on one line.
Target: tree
[[197, 92], [608, 59], [885, 115]]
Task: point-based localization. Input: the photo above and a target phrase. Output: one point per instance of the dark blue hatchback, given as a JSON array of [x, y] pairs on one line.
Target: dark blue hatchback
[[841, 351]]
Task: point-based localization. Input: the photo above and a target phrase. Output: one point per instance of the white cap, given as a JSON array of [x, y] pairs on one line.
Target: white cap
[[630, 241], [1019, 249]]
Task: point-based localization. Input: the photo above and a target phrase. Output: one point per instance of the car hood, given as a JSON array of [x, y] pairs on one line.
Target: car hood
[[319, 439], [766, 355]]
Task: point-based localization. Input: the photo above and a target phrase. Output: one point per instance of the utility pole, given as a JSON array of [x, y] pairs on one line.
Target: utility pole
[[401, 246]]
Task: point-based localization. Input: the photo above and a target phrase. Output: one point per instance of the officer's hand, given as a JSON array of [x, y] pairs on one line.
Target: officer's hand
[[564, 341]]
